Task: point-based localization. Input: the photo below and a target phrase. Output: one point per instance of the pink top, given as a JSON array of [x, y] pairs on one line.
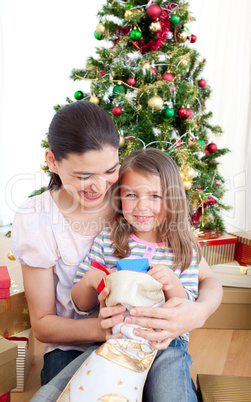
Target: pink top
[[41, 237]]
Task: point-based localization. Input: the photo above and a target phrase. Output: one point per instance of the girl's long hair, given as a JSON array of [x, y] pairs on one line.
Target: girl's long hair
[[77, 128], [175, 230]]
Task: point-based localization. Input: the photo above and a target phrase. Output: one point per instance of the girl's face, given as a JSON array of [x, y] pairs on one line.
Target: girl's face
[[142, 203], [88, 176]]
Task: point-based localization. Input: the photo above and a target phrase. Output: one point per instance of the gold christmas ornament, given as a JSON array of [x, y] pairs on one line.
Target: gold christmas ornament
[[155, 103], [187, 184], [155, 26], [94, 99], [147, 66], [191, 173], [44, 166], [182, 36], [182, 175], [184, 62], [11, 256], [128, 13], [121, 141], [100, 29]]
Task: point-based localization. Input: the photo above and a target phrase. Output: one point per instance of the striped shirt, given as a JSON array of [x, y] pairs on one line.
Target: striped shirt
[[157, 253]]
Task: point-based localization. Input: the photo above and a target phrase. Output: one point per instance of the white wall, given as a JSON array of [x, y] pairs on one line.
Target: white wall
[[42, 41]]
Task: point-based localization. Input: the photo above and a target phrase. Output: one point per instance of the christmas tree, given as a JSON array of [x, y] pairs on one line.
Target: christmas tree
[[148, 76]]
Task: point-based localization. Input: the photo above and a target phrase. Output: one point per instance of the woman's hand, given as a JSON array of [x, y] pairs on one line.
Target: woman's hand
[[110, 316]]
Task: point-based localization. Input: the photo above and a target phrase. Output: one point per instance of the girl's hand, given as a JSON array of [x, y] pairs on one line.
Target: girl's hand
[[110, 316], [174, 318], [163, 275]]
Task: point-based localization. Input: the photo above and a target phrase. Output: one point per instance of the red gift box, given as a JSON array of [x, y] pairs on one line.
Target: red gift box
[[5, 397], [4, 283], [217, 247], [243, 247]]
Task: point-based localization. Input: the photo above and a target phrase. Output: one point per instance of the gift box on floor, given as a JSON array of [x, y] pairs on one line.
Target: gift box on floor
[[233, 274], [243, 247], [234, 311], [14, 313], [217, 247], [214, 388], [4, 283], [5, 397], [25, 351], [8, 355]]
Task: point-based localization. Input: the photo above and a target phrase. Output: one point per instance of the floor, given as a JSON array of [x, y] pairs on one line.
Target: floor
[[214, 351]]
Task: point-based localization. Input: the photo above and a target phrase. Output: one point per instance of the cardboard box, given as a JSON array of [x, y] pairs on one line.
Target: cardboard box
[[25, 352], [8, 355], [223, 388], [234, 311], [14, 313], [4, 283], [233, 274], [217, 248], [243, 247]]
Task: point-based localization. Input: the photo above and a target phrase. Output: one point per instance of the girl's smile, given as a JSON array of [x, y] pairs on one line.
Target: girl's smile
[[142, 203]]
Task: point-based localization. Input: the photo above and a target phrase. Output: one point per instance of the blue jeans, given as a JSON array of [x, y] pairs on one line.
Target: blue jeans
[[168, 379]]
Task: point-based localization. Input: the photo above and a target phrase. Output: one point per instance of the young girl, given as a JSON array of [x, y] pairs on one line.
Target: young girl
[[151, 221], [52, 233]]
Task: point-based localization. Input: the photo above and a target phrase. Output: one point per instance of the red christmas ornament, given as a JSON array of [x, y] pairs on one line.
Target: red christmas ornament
[[202, 83], [193, 38], [189, 113], [182, 112], [212, 148], [178, 144], [171, 89], [153, 71], [168, 77], [131, 81], [116, 111], [154, 11], [211, 201]]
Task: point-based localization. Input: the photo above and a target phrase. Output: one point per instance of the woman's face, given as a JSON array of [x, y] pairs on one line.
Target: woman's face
[[88, 176]]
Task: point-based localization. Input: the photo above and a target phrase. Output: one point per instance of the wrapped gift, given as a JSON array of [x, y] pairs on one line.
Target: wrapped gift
[[223, 388], [234, 311], [217, 247], [8, 355], [5, 397], [233, 274], [14, 313], [4, 283], [25, 351], [243, 247]]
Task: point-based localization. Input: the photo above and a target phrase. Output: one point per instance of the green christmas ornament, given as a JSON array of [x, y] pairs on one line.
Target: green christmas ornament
[[128, 6], [119, 89], [169, 112], [135, 35], [98, 36], [78, 95], [175, 19], [202, 144]]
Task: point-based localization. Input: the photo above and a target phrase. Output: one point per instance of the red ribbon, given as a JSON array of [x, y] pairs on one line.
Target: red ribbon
[[18, 338], [97, 265]]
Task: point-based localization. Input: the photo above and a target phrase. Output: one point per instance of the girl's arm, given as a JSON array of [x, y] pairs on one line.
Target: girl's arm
[[47, 326], [84, 293], [177, 316]]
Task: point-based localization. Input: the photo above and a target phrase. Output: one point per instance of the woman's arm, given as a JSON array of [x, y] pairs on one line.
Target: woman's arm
[[47, 326], [177, 316]]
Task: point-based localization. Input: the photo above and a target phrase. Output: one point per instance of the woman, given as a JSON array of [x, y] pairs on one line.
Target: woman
[[53, 232]]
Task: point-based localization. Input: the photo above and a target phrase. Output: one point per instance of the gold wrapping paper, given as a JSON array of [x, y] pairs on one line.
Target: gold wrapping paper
[[14, 313], [25, 353], [8, 355]]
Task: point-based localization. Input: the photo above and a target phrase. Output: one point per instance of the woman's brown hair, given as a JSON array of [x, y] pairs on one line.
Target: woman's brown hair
[[175, 230], [77, 128]]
